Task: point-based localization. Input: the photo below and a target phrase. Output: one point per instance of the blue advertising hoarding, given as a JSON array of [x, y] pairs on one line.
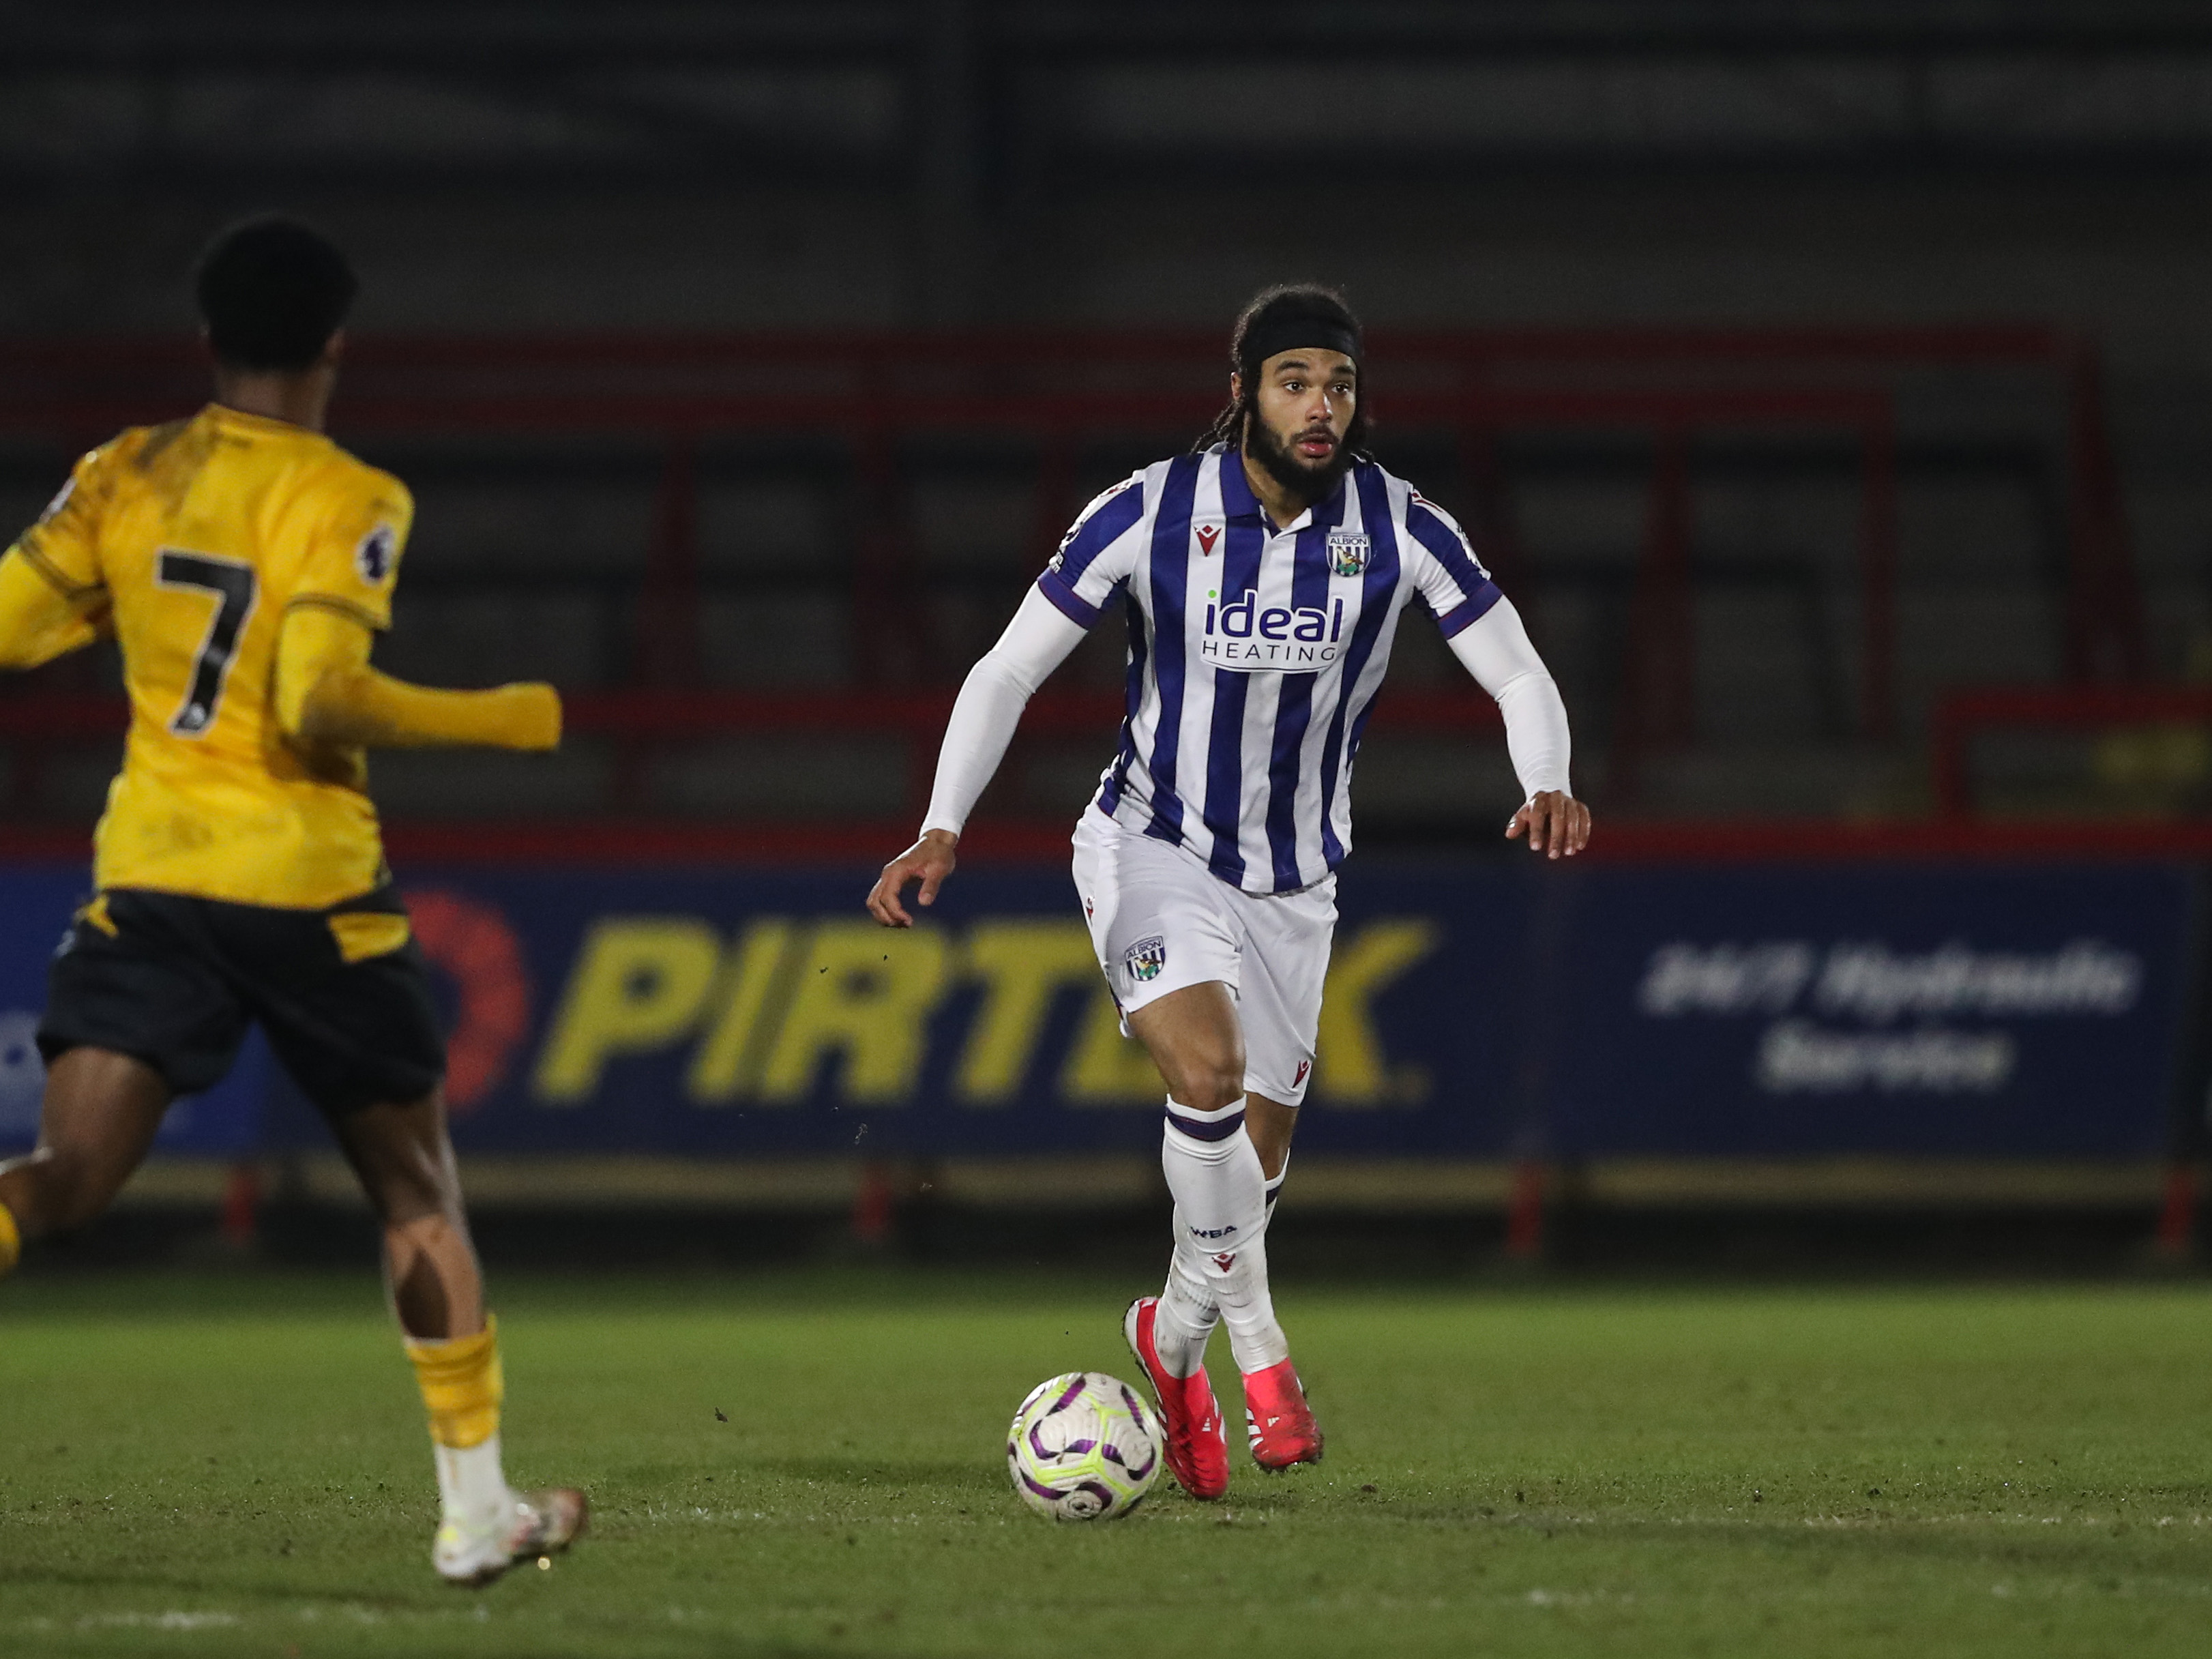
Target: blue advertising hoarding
[[36, 904], [1474, 1011], [728, 1013], [2025, 1012]]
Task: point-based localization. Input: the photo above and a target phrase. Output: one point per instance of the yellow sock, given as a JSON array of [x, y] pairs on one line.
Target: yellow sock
[[462, 1385], [11, 1242]]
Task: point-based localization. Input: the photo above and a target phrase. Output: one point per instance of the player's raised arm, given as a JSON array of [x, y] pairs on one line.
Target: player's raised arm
[[327, 692], [984, 717]]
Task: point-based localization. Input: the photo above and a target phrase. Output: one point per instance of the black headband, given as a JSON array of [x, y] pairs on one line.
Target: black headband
[[1289, 330]]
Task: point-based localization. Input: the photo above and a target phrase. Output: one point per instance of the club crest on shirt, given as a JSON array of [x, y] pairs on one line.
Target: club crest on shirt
[[373, 558], [1347, 552], [1146, 958]]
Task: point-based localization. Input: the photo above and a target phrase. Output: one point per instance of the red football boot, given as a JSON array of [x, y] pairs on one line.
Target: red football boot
[[1197, 1449], [1278, 1422]]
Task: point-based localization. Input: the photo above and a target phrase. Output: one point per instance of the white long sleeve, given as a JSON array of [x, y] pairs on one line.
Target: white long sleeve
[[989, 707], [1496, 649]]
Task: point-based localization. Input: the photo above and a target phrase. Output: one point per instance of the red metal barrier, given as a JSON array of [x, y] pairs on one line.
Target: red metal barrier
[[1963, 714], [867, 391], [640, 721], [582, 843], [642, 718]]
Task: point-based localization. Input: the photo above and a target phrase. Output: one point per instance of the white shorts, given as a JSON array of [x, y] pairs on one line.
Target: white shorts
[[1160, 920]]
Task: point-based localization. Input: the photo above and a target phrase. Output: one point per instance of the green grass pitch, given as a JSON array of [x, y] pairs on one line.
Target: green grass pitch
[[233, 1465]]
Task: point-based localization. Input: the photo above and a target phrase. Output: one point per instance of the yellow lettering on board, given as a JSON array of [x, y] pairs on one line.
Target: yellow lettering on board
[[865, 994], [638, 982], [755, 983], [1105, 1068], [1022, 964], [1350, 1069]]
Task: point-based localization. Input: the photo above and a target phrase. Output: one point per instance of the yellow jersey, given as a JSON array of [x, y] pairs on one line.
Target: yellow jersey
[[199, 536]]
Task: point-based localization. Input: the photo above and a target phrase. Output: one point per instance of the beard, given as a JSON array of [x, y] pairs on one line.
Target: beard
[[1309, 481]]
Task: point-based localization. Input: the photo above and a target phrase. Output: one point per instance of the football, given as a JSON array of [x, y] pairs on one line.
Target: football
[[1083, 1447]]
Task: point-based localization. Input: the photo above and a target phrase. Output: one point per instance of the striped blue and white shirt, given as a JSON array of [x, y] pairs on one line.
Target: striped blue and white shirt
[[1254, 652]]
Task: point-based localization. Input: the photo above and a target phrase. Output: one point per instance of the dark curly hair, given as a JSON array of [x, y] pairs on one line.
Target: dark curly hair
[[1270, 324], [272, 291]]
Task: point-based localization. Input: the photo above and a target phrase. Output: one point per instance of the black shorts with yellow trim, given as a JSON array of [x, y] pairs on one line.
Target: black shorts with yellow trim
[[343, 993]]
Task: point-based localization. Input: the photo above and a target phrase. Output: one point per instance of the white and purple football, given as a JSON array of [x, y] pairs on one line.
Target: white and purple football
[[1083, 1447]]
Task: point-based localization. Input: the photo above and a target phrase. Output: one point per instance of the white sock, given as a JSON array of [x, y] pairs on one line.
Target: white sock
[[471, 1487], [1187, 1314], [1247, 1309], [1221, 1201]]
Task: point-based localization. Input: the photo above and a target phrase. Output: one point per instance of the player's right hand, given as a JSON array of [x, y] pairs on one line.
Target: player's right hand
[[928, 861]]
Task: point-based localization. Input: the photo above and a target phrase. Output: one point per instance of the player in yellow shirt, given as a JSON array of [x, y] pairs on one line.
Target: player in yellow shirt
[[244, 564]]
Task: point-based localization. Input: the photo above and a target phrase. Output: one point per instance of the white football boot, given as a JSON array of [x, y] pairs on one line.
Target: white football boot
[[539, 1524]]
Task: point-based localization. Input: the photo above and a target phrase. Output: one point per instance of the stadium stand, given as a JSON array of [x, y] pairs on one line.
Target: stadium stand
[[1755, 557]]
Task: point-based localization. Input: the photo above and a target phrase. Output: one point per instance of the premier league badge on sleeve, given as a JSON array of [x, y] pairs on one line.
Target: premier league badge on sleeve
[[373, 558], [1347, 552], [1146, 958]]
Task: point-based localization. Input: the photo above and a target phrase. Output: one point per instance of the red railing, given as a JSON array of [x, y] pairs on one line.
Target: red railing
[[640, 718], [1964, 715], [659, 841], [1057, 388], [1058, 391]]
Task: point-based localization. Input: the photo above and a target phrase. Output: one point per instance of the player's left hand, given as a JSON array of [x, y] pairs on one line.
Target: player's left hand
[[1556, 824], [534, 713]]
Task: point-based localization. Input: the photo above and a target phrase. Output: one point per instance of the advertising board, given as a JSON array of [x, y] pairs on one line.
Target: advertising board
[[1474, 1009]]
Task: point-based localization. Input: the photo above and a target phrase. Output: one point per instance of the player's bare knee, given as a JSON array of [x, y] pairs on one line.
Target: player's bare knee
[[1205, 1084], [1224, 1085]]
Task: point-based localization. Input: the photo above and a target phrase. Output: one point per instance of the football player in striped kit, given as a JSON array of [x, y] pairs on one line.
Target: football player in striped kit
[[1263, 577]]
